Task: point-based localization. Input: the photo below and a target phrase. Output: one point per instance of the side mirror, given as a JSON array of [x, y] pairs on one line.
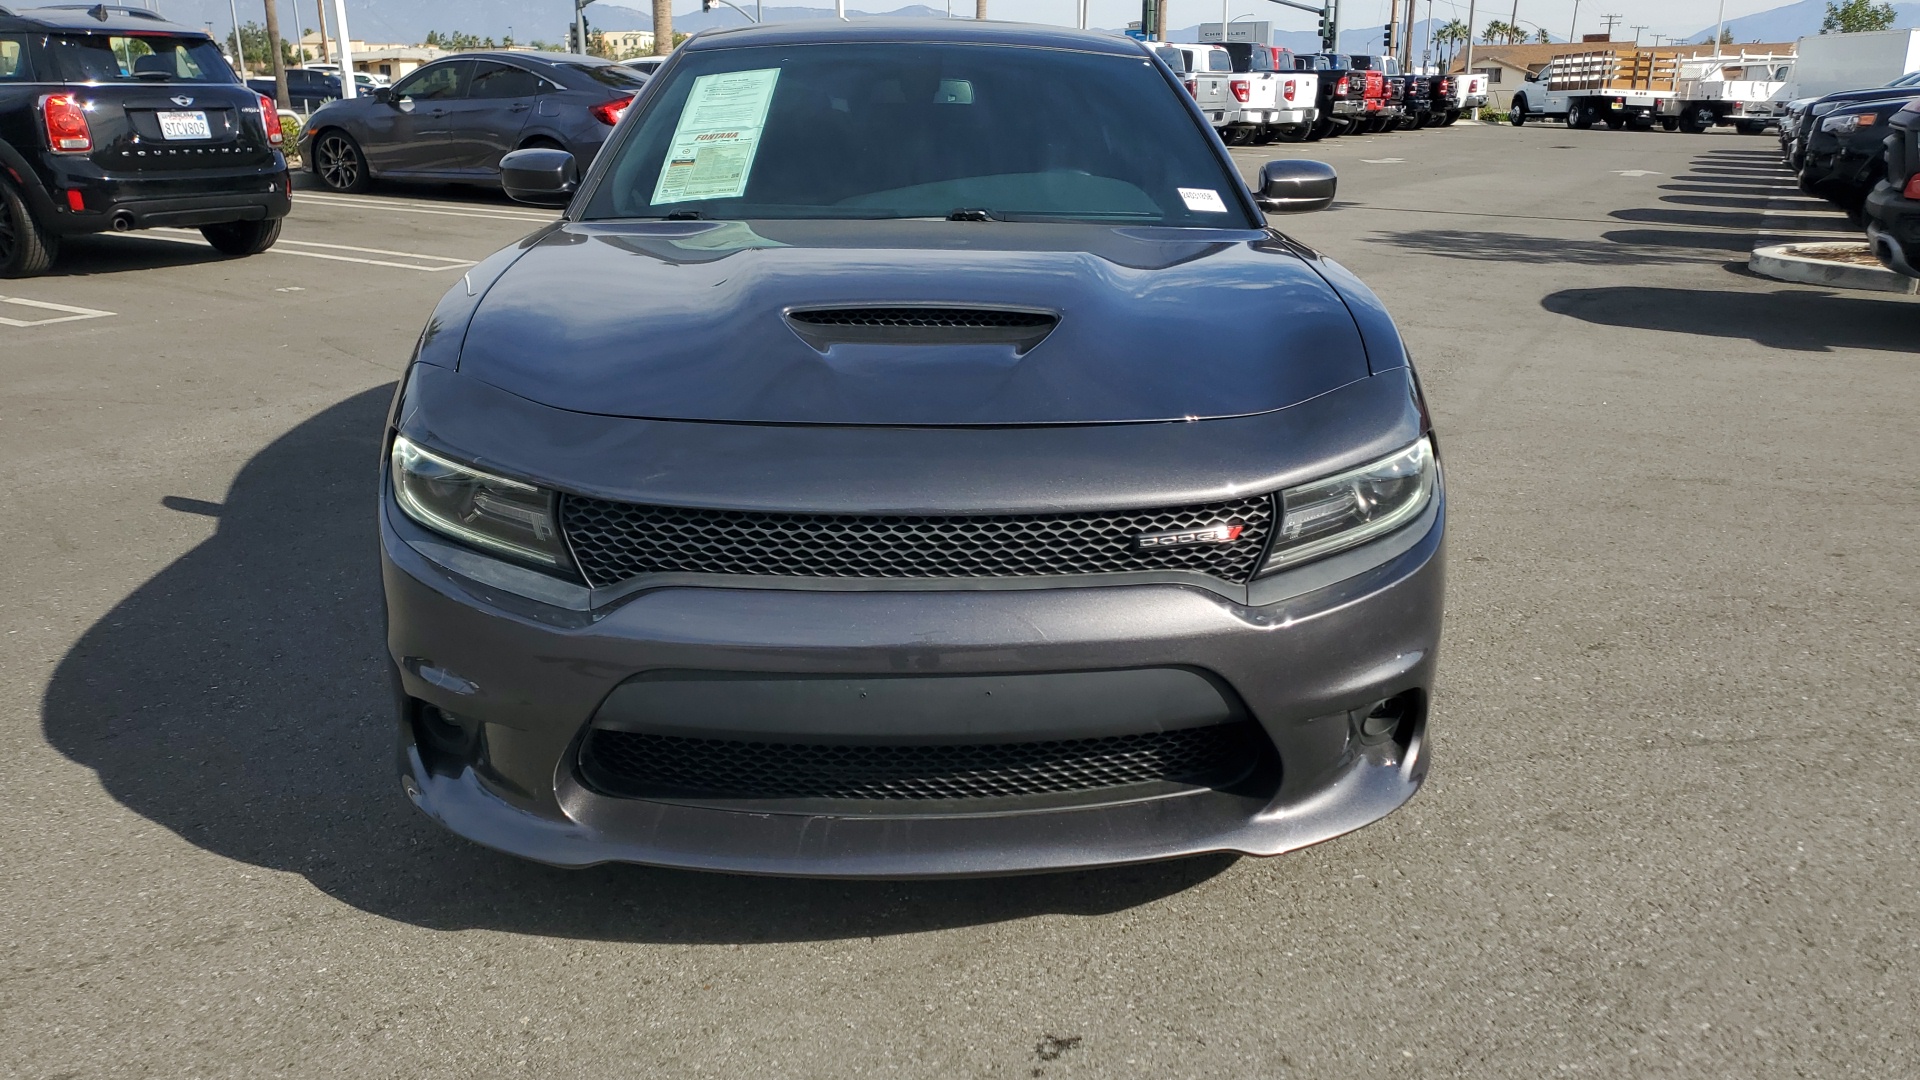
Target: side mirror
[[382, 95], [541, 176], [1295, 186]]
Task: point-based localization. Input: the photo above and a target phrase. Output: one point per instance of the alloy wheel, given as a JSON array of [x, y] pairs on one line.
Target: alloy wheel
[[339, 163]]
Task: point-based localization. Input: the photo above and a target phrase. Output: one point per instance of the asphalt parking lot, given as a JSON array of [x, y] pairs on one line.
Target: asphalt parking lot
[[1669, 829]]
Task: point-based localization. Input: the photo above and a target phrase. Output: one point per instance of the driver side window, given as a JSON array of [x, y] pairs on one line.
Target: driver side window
[[436, 82]]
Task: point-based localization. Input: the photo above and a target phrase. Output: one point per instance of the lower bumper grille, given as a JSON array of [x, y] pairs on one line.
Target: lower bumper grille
[[643, 765]]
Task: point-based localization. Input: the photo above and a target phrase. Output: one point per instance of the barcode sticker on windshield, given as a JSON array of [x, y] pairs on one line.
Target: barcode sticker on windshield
[[1202, 200], [711, 154]]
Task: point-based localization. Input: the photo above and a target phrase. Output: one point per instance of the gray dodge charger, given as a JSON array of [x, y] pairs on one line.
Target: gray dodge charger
[[910, 454]]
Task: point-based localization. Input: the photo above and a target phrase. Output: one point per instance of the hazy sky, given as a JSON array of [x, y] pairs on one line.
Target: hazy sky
[[1670, 17]]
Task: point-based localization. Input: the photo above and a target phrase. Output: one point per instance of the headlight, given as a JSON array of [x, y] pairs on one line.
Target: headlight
[[1850, 123], [1822, 108], [487, 511], [1356, 506]]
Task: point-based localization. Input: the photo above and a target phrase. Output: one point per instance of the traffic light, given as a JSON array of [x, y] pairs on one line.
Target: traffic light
[[573, 39], [1387, 39], [706, 5]]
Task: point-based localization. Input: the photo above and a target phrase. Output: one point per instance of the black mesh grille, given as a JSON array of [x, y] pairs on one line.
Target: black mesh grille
[[643, 765], [924, 317], [615, 541]]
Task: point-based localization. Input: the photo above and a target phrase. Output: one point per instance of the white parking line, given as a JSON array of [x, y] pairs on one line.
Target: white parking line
[[188, 236], [73, 314], [408, 206]]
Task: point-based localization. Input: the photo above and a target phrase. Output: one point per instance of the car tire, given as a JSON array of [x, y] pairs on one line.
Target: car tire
[[26, 248], [1615, 123], [239, 238], [1748, 127], [1517, 115], [339, 164], [1670, 124]]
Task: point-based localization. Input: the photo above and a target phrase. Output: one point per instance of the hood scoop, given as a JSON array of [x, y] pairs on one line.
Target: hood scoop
[[824, 328]]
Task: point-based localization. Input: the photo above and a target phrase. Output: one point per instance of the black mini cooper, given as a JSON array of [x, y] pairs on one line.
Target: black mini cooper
[[114, 119]]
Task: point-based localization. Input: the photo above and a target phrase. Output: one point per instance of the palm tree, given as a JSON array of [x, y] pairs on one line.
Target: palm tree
[[1495, 32], [1453, 33]]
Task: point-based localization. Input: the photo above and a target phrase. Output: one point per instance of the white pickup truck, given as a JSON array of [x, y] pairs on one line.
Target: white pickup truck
[[1744, 90], [1275, 101], [1469, 93], [1205, 70]]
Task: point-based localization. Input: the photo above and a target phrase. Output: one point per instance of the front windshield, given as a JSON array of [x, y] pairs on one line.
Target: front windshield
[[898, 130]]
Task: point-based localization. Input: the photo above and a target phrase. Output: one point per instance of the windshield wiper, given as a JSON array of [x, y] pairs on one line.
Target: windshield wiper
[[684, 215], [973, 214]]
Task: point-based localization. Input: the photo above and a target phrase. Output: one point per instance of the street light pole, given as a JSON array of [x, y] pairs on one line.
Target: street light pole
[[239, 49], [1720, 30], [1466, 65], [347, 89], [1575, 25]]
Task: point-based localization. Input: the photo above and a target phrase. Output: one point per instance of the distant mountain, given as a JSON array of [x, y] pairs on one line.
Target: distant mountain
[[1795, 21]]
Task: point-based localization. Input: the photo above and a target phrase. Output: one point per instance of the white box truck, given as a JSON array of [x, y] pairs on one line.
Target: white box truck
[[1829, 63]]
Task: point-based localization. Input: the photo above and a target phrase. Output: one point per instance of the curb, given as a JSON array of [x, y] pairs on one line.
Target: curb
[[1813, 264]]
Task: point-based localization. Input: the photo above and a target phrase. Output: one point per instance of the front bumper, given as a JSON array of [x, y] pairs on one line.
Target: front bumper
[[1893, 229], [529, 679]]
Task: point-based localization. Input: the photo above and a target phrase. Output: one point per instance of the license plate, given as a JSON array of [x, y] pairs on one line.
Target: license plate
[[1617, 105], [184, 125]]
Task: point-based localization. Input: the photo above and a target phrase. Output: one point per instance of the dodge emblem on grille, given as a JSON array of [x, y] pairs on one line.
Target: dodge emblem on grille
[[1212, 534], [183, 102]]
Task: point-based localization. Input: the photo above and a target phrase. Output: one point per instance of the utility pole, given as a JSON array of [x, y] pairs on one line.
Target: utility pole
[[280, 97], [1467, 64], [1636, 33], [1574, 27], [239, 47], [1612, 21], [326, 51], [1388, 45], [1406, 39], [979, 9], [1720, 30], [347, 90]]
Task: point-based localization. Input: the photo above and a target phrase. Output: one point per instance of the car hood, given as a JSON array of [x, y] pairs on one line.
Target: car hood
[[694, 321]]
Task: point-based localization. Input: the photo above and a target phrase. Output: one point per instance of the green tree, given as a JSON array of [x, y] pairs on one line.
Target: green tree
[[1541, 37], [1857, 17]]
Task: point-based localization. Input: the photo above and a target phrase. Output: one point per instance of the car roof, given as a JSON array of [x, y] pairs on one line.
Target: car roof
[[94, 18], [528, 54], [916, 31]]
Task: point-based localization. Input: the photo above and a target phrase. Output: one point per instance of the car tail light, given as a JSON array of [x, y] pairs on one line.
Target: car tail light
[[1340, 88], [1288, 90], [1241, 91], [610, 112], [1913, 187], [1193, 88], [270, 116], [66, 120], [76, 202]]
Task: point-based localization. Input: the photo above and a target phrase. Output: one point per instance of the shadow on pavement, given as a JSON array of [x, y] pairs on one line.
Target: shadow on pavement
[[238, 699], [87, 255], [478, 194], [1786, 319], [1490, 246]]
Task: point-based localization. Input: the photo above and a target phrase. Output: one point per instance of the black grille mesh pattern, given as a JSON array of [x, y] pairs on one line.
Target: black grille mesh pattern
[[615, 541], [977, 318], [643, 765]]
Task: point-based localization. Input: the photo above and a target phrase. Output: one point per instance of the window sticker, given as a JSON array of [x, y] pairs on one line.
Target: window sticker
[[711, 154], [1202, 200]]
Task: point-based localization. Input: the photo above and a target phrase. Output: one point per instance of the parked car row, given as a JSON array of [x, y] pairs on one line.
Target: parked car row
[[1836, 144], [1261, 93], [1893, 208]]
